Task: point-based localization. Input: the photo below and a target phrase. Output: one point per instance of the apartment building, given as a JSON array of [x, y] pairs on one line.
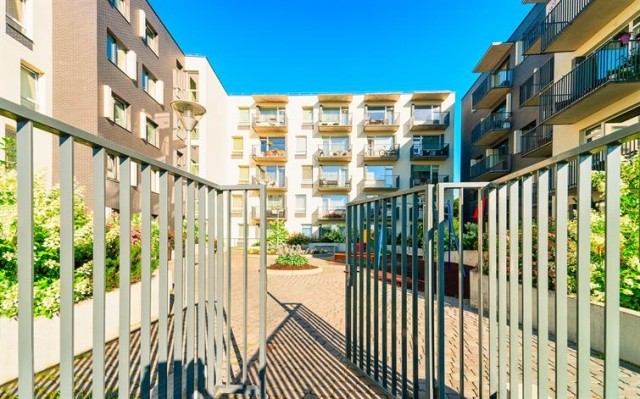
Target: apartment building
[[568, 74], [315, 153], [26, 69], [117, 69]]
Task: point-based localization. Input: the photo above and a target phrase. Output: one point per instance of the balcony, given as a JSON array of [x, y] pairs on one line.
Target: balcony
[[270, 123], [430, 154], [531, 38], [381, 122], [604, 77], [331, 123], [334, 183], [417, 180], [433, 120], [572, 23], [271, 213], [539, 81], [491, 167], [492, 129], [493, 57], [268, 156], [381, 153], [537, 142], [492, 89], [382, 183], [273, 183], [333, 153], [331, 214]]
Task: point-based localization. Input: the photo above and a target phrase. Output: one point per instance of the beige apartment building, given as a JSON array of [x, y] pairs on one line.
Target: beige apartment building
[[569, 74]]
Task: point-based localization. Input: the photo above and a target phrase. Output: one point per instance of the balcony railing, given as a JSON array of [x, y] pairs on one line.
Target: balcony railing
[[609, 74], [270, 122], [492, 89], [562, 15], [433, 120], [540, 79], [334, 182], [492, 129], [531, 38], [270, 213], [491, 166], [265, 155], [381, 121], [334, 122], [418, 180], [332, 213], [382, 183], [430, 154], [166, 295], [334, 152], [271, 182], [536, 142], [382, 152]]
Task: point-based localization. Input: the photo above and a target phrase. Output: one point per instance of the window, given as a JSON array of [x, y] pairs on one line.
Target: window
[[195, 167], [29, 88], [151, 38], [16, 15], [301, 204], [380, 115], [307, 174], [122, 6], [334, 175], [334, 116], [120, 112], [424, 174], [243, 174], [180, 160], [244, 116], [151, 132], [237, 146], [118, 54], [272, 175], [334, 202], [429, 114], [275, 202], [307, 116], [335, 145], [113, 167], [301, 145], [236, 203], [153, 86], [193, 86], [195, 133], [307, 230]]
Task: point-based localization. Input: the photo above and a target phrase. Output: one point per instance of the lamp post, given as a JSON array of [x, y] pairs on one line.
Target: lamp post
[[189, 113]]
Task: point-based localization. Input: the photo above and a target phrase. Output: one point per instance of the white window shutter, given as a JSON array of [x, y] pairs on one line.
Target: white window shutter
[[160, 92], [132, 65], [107, 102], [143, 125], [142, 23]]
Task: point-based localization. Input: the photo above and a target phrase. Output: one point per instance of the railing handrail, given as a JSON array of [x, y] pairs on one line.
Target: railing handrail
[[445, 114], [561, 16], [323, 147], [489, 123], [394, 120], [48, 124], [488, 83]]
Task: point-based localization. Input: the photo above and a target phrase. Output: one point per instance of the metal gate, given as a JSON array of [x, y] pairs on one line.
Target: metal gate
[[193, 330]]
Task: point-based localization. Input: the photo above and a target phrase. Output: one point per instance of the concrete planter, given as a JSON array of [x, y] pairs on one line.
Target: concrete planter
[[47, 331], [303, 272], [629, 319]]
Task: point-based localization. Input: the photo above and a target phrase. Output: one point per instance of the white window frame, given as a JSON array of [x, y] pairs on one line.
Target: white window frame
[[152, 85], [301, 210], [122, 6], [144, 131], [306, 110], [310, 179], [306, 227], [119, 55], [234, 141], [14, 21], [155, 181], [237, 203], [113, 167], [301, 145], [241, 120], [33, 103], [248, 178], [114, 101]]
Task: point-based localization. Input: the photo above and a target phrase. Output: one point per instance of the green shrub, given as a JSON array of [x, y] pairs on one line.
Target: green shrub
[[276, 234], [291, 259], [334, 236], [298, 239]]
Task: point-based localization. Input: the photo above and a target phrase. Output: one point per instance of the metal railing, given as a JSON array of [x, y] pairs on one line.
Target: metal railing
[[334, 150], [269, 120], [540, 79], [424, 180], [496, 79], [441, 152], [386, 182], [382, 151], [373, 118], [197, 360], [493, 122], [535, 138], [333, 119], [560, 17], [492, 163], [270, 181], [611, 63], [332, 213], [257, 151], [407, 323], [533, 33], [430, 119], [334, 181]]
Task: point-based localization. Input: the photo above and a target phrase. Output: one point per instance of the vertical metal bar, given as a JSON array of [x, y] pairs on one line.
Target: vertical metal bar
[[191, 286], [361, 223], [403, 300], [376, 299], [527, 295], [583, 274], [219, 281], [24, 152], [414, 294], [492, 213], [67, 266], [145, 311], [440, 292], [211, 263], [514, 306], [228, 220], [543, 281], [502, 291], [562, 179], [178, 289], [480, 295], [99, 249], [428, 289], [163, 275], [202, 286], [125, 277], [384, 269], [394, 295], [612, 272], [347, 285], [460, 292], [263, 296], [368, 286], [245, 284]]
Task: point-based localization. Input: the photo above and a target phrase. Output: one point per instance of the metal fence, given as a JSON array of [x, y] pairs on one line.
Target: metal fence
[[197, 360], [402, 326]]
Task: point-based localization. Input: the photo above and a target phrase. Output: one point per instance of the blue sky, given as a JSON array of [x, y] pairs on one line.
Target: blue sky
[[304, 46]]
